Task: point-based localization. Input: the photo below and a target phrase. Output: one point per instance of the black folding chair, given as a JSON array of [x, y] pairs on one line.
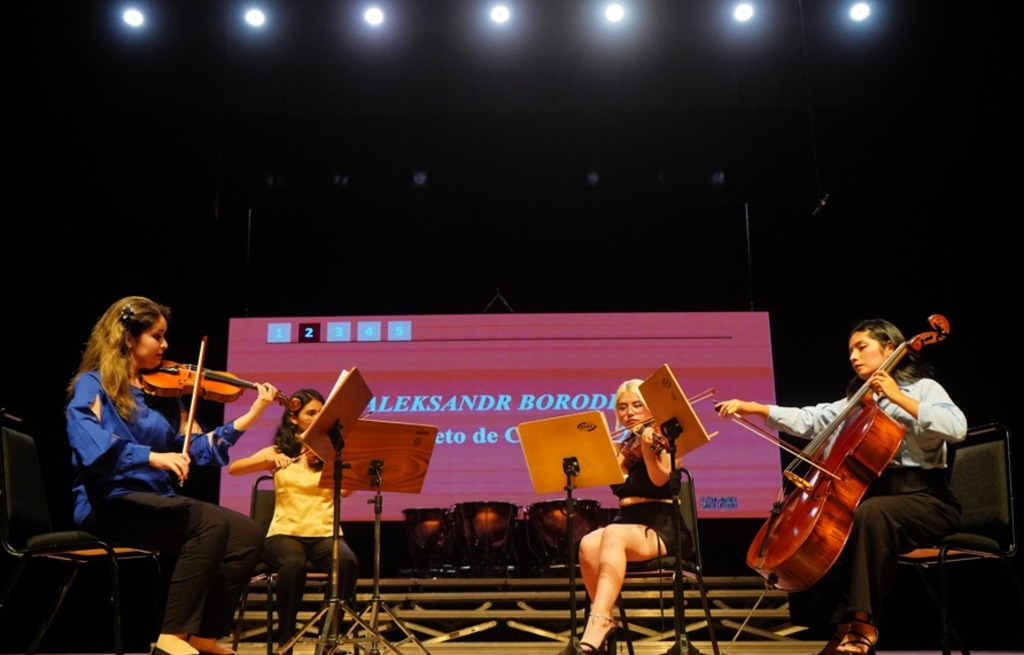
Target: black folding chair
[[982, 480], [27, 533]]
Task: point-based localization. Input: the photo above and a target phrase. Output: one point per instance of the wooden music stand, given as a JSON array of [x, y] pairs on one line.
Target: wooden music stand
[[568, 452], [346, 403], [672, 411], [327, 436], [405, 448], [384, 456], [678, 423]]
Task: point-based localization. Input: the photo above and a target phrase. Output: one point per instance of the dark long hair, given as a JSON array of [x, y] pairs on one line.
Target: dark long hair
[[286, 439], [910, 368]]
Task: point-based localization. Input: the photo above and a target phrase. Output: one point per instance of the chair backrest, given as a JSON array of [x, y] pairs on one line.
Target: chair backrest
[[25, 512], [982, 481], [262, 501], [688, 511], [688, 508]]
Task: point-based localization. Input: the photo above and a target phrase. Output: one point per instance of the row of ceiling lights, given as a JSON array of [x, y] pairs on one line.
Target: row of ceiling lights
[[501, 14]]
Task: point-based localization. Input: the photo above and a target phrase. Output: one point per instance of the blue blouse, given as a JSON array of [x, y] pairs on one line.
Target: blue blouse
[[939, 421], [111, 456]]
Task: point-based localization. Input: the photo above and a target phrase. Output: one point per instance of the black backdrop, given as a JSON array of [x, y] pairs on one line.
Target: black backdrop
[[206, 170]]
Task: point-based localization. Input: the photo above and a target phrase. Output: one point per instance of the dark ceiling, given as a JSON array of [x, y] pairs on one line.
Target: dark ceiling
[[201, 165]]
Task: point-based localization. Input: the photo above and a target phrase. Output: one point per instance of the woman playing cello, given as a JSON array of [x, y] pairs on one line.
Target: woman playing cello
[[909, 503]]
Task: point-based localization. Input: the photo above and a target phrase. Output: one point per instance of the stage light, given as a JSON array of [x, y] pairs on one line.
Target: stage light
[[255, 17], [374, 16], [860, 11], [500, 14], [614, 13], [743, 12], [133, 17]]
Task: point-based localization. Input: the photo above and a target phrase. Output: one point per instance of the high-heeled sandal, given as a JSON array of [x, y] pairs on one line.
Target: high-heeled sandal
[[607, 644], [860, 639], [837, 638]]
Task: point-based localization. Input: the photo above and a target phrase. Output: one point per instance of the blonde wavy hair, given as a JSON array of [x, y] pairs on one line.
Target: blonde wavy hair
[[108, 351]]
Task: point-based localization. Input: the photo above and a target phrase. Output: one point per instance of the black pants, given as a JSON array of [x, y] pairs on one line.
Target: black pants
[[288, 556], [903, 508], [217, 549]]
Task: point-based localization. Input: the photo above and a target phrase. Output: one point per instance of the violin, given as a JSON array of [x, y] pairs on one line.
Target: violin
[[631, 445], [174, 379]]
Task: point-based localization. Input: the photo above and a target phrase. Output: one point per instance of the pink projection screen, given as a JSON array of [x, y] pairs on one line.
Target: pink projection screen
[[476, 377]]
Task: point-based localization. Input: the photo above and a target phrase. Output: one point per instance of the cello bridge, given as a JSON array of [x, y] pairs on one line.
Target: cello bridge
[[799, 482]]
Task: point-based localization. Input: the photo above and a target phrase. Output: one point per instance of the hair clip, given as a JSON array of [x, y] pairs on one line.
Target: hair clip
[[127, 313]]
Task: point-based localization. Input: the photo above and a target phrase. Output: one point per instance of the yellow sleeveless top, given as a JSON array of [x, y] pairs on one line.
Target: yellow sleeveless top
[[301, 507]]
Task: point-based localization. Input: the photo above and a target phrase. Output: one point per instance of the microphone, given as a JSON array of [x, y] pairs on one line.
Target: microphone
[[820, 206]]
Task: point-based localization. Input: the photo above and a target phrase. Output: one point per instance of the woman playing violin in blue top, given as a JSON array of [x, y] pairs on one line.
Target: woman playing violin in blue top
[[125, 445]]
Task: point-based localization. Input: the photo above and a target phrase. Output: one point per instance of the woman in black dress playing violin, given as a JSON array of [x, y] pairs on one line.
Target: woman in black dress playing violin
[[909, 503], [643, 527]]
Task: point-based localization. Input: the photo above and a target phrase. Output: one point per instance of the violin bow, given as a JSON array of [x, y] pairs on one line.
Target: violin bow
[[196, 390]]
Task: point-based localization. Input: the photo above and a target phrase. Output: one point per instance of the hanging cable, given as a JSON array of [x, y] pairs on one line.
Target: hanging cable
[[823, 198]]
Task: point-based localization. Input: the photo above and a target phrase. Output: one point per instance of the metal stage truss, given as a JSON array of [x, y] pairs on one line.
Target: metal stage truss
[[449, 609]]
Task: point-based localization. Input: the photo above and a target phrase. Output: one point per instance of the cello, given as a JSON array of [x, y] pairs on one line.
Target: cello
[[807, 530]]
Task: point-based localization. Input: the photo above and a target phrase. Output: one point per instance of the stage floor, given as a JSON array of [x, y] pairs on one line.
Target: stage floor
[[521, 648]]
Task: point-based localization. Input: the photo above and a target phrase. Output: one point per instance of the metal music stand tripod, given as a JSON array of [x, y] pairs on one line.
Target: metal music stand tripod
[[676, 419], [567, 452], [401, 451], [325, 437]]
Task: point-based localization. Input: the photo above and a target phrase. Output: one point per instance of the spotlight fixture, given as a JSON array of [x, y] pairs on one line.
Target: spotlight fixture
[[743, 12], [255, 17], [374, 16], [500, 14], [133, 17]]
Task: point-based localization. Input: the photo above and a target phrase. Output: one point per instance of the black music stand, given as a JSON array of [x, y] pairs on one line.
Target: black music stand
[[326, 437], [401, 453], [567, 452], [682, 429]]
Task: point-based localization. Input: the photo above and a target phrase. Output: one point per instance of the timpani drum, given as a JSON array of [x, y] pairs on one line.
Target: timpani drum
[[551, 523], [430, 536], [484, 530]]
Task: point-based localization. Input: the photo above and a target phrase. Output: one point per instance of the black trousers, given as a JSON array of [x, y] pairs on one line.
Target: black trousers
[[288, 555], [899, 511], [217, 550]]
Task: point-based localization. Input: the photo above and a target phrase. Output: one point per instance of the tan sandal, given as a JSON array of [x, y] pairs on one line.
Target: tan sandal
[[860, 640], [837, 638]]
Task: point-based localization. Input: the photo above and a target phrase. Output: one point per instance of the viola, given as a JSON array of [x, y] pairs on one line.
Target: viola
[[174, 379]]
